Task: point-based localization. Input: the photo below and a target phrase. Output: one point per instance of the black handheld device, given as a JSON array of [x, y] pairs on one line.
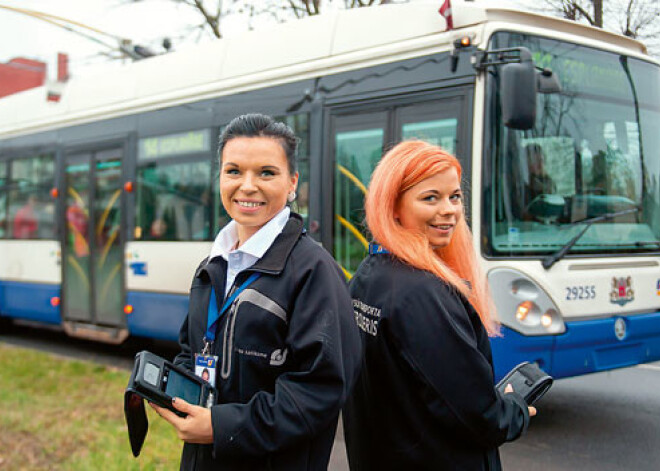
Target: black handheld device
[[528, 380], [157, 380]]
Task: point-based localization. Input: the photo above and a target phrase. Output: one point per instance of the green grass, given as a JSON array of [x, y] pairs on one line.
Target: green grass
[[61, 414]]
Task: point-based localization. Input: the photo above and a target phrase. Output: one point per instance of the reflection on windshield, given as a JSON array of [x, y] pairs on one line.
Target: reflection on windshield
[[595, 149]]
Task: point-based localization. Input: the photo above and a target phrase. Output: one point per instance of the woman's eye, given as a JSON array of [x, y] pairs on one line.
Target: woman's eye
[[456, 197], [267, 173], [430, 198], [232, 171]]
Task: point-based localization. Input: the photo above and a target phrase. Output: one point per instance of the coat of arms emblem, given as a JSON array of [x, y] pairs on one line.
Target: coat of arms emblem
[[622, 291]]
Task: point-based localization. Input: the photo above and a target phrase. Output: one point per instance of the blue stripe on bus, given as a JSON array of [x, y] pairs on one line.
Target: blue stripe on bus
[[586, 347], [30, 301], [591, 346], [513, 348], [156, 315]]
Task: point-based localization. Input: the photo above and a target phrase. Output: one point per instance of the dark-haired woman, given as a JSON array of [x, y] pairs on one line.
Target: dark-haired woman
[[425, 399], [286, 348]]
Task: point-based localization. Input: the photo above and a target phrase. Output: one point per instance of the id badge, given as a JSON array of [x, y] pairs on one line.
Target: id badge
[[205, 367]]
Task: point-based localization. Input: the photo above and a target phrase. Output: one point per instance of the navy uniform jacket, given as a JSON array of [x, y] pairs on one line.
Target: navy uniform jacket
[[288, 354], [425, 398]]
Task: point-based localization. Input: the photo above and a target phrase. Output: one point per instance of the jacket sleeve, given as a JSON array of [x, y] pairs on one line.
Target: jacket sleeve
[[324, 343], [433, 332]]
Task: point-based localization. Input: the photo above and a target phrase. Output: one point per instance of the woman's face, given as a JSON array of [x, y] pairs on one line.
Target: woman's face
[[254, 182], [432, 207]]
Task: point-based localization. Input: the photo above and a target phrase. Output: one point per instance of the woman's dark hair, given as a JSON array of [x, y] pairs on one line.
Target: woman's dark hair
[[261, 125]]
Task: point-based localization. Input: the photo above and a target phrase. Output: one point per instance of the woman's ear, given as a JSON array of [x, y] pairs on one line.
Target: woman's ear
[[396, 213], [294, 181]]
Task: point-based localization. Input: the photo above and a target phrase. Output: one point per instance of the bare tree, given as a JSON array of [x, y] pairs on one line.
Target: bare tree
[[638, 19], [589, 10], [302, 8], [210, 11], [213, 11]]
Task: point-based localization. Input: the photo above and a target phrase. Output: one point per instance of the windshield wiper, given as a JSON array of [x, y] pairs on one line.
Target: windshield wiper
[[550, 260], [641, 243]]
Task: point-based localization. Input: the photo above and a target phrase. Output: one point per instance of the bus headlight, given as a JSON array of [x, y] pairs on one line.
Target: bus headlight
[[522, 305]]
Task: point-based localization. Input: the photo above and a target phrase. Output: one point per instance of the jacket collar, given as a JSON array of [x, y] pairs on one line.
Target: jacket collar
[[275, 258]]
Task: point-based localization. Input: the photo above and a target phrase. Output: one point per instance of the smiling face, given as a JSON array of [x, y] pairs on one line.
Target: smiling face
[[254, 182], [432, 207]]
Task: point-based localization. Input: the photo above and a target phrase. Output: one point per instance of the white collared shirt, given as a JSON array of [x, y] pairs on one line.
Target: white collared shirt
[[251, 251]]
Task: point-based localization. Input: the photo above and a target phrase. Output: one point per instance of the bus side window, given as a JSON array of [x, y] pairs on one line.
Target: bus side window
[[30, 210], [173, 201]]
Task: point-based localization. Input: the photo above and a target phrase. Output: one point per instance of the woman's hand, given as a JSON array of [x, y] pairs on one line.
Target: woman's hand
[[196, 427], [532, 410]]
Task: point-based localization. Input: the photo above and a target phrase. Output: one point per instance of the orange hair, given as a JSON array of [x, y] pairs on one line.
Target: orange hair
[[404, 166]]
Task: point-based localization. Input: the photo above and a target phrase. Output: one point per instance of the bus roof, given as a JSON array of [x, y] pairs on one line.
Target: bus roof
[[301, 49]]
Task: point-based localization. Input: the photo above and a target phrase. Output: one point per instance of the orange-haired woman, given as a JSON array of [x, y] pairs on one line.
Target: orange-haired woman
[[426, 397]]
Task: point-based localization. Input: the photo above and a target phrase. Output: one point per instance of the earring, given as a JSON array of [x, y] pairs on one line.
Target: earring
[[291, 197]]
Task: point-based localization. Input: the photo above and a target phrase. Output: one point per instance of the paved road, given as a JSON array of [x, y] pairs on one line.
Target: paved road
[[601, 422]]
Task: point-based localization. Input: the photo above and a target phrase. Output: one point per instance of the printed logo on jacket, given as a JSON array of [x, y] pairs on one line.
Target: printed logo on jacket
[[366, 317]]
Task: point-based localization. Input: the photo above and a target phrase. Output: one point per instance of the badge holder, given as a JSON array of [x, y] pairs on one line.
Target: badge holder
[[528, 380], [157, 380]]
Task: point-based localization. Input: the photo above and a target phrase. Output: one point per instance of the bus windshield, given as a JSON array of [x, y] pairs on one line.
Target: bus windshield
[[594, 150]]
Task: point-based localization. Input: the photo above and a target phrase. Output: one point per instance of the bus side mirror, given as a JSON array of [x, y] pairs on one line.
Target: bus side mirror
[[547, 82], [518, 93]]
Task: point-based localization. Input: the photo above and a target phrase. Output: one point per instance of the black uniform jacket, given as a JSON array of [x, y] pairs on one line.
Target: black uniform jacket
[[288, 353], [425, 398]]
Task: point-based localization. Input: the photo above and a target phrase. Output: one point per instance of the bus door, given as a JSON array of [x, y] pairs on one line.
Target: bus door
[[358, 139], [93, 289]]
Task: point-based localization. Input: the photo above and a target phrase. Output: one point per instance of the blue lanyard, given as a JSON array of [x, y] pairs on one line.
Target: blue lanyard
[[375, 249], [214, 315]]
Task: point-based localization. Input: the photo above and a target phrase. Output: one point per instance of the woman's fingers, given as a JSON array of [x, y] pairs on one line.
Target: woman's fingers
[[532, 410]]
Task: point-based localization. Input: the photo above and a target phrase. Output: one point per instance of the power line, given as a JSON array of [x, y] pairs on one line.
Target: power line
[[125, 46]]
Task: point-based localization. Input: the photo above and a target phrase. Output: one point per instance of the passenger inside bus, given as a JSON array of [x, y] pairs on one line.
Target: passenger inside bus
[[539, 183], [25, 220], [541, 201]]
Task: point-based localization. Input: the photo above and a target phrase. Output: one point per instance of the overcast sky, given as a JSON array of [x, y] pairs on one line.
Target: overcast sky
[[143, 22]]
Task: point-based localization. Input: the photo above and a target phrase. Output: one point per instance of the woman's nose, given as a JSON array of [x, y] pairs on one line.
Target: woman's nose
[[248, 183], [446, 207]]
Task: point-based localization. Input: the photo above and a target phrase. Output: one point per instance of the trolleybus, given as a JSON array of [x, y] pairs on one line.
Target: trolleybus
[[109, 197]]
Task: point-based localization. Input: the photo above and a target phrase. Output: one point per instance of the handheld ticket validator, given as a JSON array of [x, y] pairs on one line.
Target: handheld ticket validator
[[528, 380], [159, 381]]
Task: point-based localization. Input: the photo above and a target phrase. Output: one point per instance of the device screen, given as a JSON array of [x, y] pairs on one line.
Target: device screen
[[181, 386]]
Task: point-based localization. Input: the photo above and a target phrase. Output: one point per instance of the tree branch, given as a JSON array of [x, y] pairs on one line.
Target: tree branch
[[584, 13], [213, 22]]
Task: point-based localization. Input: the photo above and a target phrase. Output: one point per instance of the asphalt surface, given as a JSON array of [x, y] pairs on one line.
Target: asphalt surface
[[601, 422]]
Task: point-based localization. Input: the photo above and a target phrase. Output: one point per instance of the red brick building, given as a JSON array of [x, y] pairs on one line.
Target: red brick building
[[21, 74]]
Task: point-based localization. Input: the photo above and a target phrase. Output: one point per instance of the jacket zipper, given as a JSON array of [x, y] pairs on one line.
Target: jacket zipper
[[228, 342]]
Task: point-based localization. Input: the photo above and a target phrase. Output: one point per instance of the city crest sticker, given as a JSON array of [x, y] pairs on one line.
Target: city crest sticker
[[622, 291], [657, 287]]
